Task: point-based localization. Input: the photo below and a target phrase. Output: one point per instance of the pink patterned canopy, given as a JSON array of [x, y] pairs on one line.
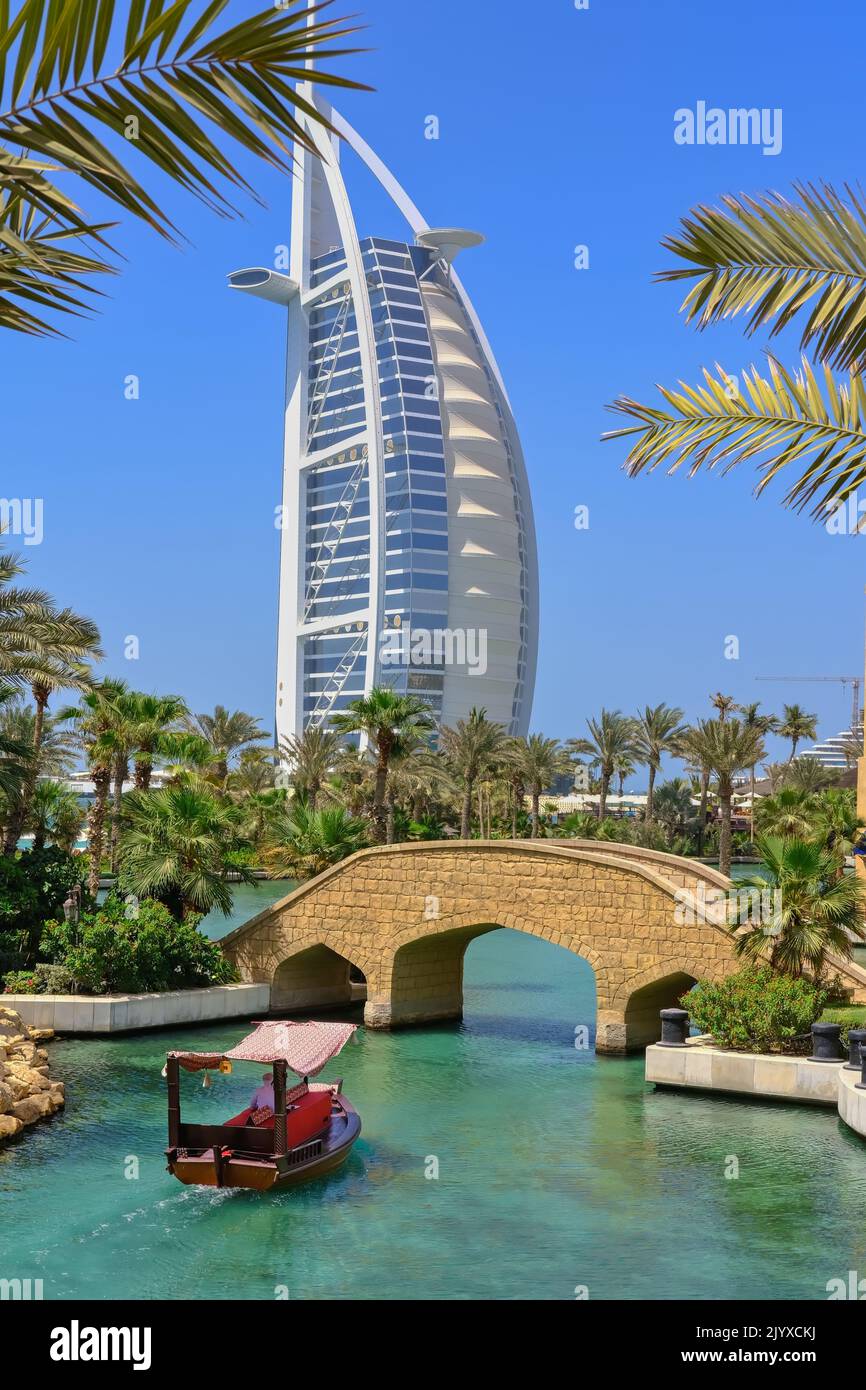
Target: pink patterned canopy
[[305, 1047]]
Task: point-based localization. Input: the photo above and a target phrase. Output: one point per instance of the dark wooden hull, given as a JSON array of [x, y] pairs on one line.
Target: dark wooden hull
[[233, 1167]]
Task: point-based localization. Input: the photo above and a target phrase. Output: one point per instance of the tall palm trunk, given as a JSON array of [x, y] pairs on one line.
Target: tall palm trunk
[[379, 818], [726, 791], [143, 770], [702, 827], [602, 801], [18, 815], [648, 814], [96, 825], [121, 771], [466, 811], [536, 793]]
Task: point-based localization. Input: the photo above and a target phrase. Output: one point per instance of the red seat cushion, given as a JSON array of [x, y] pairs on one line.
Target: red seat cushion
[[307, 1117]]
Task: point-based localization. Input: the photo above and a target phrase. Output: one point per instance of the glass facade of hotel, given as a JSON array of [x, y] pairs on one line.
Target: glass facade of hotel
[[403, 481]]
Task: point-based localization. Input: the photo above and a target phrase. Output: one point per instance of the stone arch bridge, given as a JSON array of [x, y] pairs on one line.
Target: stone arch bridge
[[405, 914]]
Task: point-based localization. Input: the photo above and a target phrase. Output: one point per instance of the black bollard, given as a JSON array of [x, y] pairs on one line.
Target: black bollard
[[675, 1026], [826, 1044], [856, 1037], [861, 1084]]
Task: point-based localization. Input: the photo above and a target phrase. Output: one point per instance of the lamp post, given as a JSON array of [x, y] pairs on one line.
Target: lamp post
[[72, 915]]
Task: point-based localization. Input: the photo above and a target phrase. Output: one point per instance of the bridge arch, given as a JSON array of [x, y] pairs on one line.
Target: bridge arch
[[405, 914]]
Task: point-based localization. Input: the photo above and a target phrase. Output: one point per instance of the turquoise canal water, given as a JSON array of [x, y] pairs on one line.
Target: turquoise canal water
[[556, 1169], [248, 899]]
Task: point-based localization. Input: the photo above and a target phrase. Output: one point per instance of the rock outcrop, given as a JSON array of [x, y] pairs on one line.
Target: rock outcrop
[[27, 1093]]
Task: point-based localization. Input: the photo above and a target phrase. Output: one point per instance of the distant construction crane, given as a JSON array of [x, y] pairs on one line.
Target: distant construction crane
[[853, 681]]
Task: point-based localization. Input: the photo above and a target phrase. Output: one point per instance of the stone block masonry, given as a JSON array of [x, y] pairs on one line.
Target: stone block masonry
[[405, 914], [27, 1093]]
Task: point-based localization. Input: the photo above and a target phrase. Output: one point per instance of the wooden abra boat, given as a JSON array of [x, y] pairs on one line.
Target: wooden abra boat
[[308, 1131]]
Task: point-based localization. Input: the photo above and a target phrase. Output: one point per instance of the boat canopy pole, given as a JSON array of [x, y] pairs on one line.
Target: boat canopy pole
[[280, 1139], [172, 1072]]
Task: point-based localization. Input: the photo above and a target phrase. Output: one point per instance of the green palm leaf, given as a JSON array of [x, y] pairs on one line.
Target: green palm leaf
[[177, 90], [43, 264], [776, 421], [770, 257]]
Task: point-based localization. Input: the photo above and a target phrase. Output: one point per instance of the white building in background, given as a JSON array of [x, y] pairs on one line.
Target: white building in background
[[835, 752], [408, 549]]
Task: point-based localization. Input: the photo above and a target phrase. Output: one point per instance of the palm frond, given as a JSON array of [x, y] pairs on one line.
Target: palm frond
[[43, 264], [770, 257], [181, 89], [776, 421]]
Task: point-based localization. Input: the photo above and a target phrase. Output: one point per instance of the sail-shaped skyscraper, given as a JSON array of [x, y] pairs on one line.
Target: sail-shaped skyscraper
[[408, 549]]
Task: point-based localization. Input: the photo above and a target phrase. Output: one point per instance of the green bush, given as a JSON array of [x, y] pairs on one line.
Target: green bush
[[757, 1010], [33, 887], [42, 979], [21, 982], [135, 948], [850, 1016]]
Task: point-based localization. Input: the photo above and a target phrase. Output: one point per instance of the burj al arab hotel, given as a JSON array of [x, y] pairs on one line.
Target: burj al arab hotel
[[408, 549]]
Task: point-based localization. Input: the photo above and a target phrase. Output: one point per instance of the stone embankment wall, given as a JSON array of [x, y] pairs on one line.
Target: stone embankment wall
[[27, 1093]]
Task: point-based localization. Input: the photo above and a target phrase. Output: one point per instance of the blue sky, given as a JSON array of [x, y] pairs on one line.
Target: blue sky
[[556, 129]]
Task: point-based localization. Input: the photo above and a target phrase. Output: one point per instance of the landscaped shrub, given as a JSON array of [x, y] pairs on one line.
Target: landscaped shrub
[[21, 982], [757, 1010], [135, 949], [33, 887], [42, 979], [849, 1015]]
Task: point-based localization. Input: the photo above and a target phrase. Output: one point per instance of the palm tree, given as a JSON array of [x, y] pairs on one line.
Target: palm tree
[[95, 723], [300, 842], [657, 731], [511, 771], [624, 767], [790, 813], [692, 749], [20, 611], [383, 717], [15, 753], [352, 782], [539, 760], [837, 821], [796, 725], [725, 746], [471, 749], [416, 778], [309, 758], [776, 774], [58, 751], [149, 721], [227, 733], [765, 724], [674, 805], [161, 76], [177, 846], [809, 775], [725, 704], [611, 737], [63, 642], [770, 257], [815, 910], [254, 775], [54, 813], [43, 648]]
